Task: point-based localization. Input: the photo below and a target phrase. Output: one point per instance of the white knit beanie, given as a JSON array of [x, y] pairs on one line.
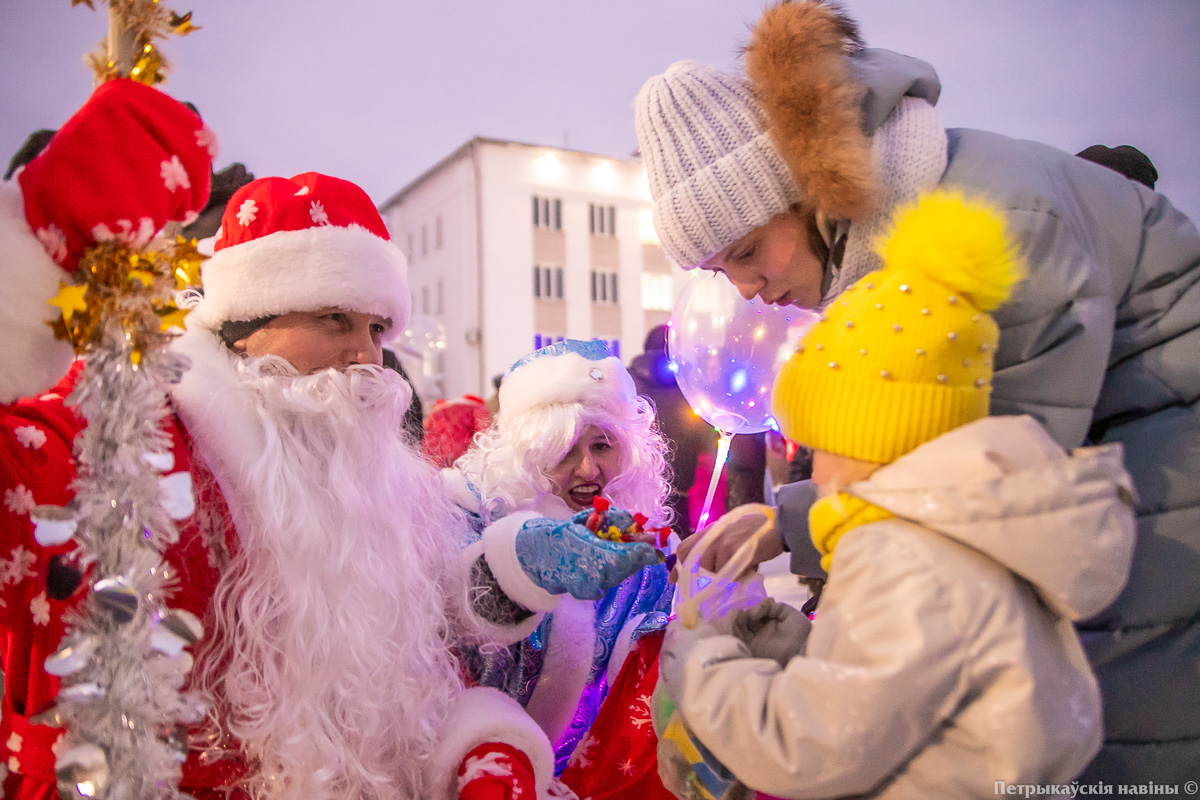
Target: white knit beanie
[[715, 175]]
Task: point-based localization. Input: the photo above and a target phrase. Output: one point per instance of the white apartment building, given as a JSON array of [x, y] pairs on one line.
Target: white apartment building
[[513, 246]]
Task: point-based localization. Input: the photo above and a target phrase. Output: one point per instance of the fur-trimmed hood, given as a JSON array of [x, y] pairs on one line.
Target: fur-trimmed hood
[[824, 95]]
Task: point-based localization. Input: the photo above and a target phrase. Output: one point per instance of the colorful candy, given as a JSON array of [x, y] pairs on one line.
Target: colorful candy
[[598, 523]]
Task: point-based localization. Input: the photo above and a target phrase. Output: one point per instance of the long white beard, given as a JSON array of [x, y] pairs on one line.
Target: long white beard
[[335, 616]]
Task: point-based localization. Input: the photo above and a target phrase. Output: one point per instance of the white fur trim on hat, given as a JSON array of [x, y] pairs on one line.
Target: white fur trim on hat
[[482, 715], [564, 378], [324, 267], [31, 359]]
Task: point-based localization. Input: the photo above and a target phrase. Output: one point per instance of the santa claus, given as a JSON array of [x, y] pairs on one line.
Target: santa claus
[[328, 568]]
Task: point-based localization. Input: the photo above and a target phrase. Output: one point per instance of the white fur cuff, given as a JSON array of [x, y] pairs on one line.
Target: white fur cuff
[[500, 550], [483, 715], [31, 359]]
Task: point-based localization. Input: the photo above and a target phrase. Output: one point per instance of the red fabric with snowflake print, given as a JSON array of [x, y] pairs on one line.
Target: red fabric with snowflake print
[[496, 771], [619, 756], [133, 160], [42, 584]]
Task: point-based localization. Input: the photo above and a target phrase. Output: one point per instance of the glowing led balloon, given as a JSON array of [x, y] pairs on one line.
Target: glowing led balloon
[[727, 351]]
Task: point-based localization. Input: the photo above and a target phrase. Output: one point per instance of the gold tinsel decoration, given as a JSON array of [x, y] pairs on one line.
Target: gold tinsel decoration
[[133, 286], [145, 22]]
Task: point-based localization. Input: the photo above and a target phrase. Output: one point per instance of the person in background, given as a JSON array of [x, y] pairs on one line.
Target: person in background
[[688, 435], [450, 427], [414, 414], [783, 177], [960, 548]]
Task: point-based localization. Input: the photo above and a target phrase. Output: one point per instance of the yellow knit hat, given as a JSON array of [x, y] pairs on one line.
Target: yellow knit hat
[[905, 354]]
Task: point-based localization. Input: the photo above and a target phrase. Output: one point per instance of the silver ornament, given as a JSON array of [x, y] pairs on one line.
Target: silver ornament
[[71, 658], [81, 772], [117, 597], [176, 629], [52, 525]]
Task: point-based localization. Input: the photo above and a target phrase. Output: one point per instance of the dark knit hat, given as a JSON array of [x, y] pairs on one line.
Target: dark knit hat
[[1125, 159]]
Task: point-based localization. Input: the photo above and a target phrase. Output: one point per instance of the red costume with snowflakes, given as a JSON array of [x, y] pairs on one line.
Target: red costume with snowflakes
[[129, 161]]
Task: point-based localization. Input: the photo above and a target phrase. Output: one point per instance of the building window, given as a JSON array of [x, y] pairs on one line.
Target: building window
[[424, 299], [658, 291], [441, 306], [547, 213], [424, 240], [411, 251], [437, 233], [541, 340], [548, 282], [602, 220], [604, 287]]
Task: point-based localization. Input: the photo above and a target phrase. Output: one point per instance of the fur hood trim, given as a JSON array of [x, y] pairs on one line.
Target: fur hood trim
[[796, 61]]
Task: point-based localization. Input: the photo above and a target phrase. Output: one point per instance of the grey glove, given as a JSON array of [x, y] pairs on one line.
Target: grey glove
[[772, 630], [678, 643]]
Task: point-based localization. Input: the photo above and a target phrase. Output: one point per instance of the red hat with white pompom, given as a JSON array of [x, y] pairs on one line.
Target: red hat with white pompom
[[128, 162], [300, 244]]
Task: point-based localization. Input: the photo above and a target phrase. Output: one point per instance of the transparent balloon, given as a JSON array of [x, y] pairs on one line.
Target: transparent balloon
[[727, 350]]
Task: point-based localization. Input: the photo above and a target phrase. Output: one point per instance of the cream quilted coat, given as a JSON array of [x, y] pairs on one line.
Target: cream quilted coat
[[942, 657]]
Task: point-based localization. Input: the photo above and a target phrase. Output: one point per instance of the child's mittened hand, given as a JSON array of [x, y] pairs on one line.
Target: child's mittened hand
[[772, 630]]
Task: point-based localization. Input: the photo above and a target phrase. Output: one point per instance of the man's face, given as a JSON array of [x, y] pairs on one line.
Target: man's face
[[320, 339]]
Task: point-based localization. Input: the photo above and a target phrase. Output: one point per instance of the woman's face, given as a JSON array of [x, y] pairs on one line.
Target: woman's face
[[774, 261], [587, 468]]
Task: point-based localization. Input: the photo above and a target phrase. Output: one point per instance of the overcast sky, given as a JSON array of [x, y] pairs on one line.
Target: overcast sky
[[377, 91]]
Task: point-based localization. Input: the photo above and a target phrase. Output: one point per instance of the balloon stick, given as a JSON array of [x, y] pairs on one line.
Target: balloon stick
[[722, 456]]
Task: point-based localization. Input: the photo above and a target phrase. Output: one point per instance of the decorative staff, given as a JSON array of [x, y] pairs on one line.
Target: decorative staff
[[122, 662]]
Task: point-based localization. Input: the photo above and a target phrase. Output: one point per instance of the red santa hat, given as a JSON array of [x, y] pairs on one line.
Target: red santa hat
[[299, 244], [128, 162]]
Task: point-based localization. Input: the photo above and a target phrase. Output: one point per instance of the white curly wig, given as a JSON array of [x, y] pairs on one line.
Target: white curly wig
[[540, 423]]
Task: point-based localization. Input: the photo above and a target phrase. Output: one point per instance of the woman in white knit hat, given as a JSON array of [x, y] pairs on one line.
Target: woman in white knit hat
[[783, 177]]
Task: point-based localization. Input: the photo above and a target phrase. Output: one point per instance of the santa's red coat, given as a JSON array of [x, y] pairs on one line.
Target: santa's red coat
[[37, 468]]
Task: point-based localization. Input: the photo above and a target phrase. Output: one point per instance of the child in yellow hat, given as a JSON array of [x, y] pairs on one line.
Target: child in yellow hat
[[942, 660]]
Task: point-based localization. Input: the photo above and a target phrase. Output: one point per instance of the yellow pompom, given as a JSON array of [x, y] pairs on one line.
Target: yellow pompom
[[962, 244]]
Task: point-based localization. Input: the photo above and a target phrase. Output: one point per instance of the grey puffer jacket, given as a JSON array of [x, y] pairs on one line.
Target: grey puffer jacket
[[1101, 344]]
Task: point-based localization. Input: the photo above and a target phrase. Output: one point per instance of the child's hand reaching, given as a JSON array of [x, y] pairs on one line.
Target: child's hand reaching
[[772, 630]]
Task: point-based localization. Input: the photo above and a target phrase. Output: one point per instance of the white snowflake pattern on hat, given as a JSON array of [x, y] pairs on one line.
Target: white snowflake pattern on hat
[[39, 610], [316, 211], [247, 212], [208, 140], [53, 241], [19, 500], [30, 436], [133, 237], [174, 175], [303, 190]]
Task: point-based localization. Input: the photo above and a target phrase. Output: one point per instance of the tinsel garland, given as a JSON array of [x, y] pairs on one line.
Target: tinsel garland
[[144, 21], [122, 662]]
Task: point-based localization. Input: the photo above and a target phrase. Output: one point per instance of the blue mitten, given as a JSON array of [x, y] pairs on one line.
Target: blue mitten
[[564, 557]]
